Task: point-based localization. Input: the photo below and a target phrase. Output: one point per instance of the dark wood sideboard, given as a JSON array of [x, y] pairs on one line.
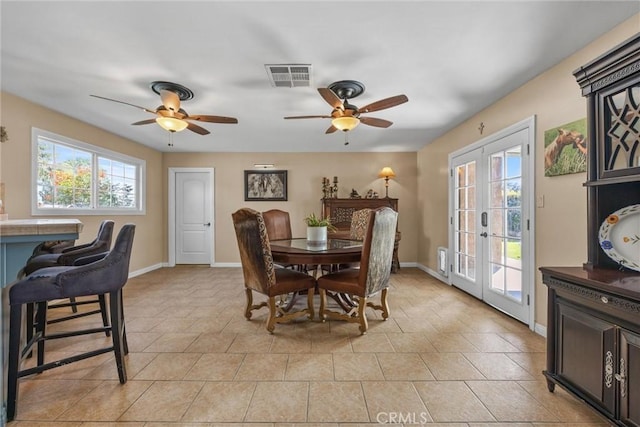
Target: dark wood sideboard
[[593, 313], [340, 211]]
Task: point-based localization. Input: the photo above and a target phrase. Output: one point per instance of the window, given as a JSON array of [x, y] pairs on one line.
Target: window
[[73, 177]]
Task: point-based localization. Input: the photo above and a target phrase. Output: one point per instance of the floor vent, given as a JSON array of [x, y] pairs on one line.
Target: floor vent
[[443, 261], [289, 75]]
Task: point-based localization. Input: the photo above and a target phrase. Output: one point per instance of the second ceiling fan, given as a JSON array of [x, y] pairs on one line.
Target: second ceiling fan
[[346, 116]]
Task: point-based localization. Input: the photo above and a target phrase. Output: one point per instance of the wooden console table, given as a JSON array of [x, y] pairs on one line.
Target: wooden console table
[[340, 211]]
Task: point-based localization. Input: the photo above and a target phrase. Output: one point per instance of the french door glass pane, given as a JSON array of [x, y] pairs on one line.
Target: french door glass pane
[[505, 227], [465, 217]]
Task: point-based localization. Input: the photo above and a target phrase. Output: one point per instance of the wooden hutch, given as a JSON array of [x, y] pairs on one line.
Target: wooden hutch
[[593, 319], [340, 211]]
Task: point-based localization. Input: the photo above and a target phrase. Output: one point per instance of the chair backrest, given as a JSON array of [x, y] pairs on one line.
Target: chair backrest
[[359, 222], [278, 224], [100, 244], [100, 277], [377, 250], [255, 250]]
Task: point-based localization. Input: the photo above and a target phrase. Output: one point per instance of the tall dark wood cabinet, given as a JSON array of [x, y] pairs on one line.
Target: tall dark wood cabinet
[[593, 314]]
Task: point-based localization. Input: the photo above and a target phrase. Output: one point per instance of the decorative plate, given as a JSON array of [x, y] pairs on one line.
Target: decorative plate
[[619, 236]]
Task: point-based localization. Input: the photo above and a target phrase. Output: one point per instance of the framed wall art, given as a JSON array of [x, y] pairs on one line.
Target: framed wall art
[[269, 185], [565, 149]]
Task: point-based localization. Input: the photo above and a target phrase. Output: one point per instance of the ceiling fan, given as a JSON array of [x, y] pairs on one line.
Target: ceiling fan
[[346, 116], [169, 115]]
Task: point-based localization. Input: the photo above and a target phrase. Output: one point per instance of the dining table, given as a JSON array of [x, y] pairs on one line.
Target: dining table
[[305, 252], [332, 252]]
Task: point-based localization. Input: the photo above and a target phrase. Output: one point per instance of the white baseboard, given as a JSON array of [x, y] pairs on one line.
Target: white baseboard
[[540, 330], [145, 270], [433, 273]]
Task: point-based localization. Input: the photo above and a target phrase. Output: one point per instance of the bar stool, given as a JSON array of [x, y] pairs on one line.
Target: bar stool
[[106, 276]]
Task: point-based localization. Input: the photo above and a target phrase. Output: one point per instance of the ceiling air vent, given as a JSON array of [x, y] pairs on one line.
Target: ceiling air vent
[[289, 75]]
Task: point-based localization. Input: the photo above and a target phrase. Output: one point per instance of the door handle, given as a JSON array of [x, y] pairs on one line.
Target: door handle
[[207, 224], [484, 234], [483, 219]]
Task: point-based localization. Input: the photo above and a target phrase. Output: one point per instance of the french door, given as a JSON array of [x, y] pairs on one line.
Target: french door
[[491, 223]]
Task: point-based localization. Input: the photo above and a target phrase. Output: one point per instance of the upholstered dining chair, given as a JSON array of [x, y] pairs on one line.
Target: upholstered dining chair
[[359, 222], [278, 224], [371, 278], [260, 274], [105, 276], [68, 256]]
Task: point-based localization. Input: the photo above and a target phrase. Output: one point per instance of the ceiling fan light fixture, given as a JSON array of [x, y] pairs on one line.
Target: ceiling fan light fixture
[[345, 123], [172, 124]]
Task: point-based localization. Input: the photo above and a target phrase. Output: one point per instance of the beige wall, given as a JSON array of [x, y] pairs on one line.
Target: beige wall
[[305, 172], [554, 98], [19, 116]]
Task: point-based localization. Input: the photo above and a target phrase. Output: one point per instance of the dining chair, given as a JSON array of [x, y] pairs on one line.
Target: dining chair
[[359, 222], [371, 278], [261, 275], [278, 224], [68, 257], [108, 276]]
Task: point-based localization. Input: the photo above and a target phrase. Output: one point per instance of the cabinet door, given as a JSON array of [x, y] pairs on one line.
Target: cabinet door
[[629, 377], [586, 354]]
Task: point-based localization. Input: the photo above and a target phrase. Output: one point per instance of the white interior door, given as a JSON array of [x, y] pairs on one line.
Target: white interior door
[[490, 193], [193, 219]]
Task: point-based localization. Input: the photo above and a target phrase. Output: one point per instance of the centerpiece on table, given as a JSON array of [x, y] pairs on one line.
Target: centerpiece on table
[[317, 228]]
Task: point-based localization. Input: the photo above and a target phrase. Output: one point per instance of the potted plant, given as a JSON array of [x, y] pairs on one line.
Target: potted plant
[[317, 228]]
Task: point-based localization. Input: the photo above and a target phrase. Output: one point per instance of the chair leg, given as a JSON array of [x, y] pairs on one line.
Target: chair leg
[[117, 333], [385, 305], [323, 304], [102, 301], [362, 305], [15, 323], [41, 329], [74, 307], [247, 312], [310, 294], [30, 320], [271, 323]]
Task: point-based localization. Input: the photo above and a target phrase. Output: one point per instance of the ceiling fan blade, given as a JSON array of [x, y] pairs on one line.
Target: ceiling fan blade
[[308, 117], [144, 122], [125, 103], [331, 129], [384, 103], [197, 129], [372, 121], [213, 119], [331, 98], [170, 100]]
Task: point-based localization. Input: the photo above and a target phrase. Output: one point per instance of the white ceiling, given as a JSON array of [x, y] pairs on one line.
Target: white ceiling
[[451, 58]]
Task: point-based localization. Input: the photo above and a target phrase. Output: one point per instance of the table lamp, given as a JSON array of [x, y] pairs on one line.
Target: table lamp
[[386, 173]]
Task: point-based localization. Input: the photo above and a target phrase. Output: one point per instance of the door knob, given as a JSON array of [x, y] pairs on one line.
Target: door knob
[[207, 224], [484, 234]]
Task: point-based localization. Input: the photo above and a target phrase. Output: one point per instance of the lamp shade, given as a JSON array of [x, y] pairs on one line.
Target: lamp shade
[[172, 124], [345, 123], [386, 172]]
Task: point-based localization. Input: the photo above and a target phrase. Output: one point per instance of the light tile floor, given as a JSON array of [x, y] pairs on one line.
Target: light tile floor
[[443, 358]]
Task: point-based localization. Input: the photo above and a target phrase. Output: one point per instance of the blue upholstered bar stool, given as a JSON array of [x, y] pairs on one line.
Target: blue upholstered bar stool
[[107, 276]]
